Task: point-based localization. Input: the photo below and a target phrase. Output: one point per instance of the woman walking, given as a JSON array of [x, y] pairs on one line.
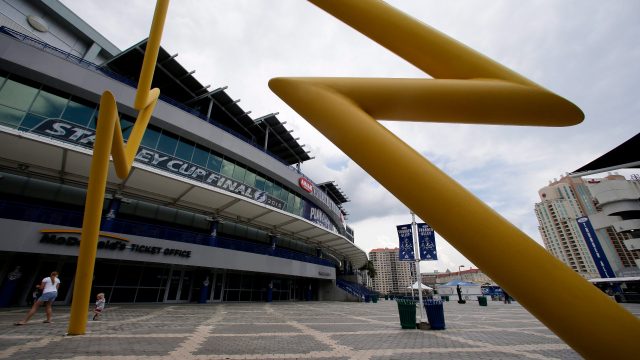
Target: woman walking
[[49, 288]]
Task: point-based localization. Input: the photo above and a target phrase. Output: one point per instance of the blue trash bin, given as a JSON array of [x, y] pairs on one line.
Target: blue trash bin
[[435, 314]]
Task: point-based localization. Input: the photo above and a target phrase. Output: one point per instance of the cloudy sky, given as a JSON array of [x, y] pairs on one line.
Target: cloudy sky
[[585, 51]]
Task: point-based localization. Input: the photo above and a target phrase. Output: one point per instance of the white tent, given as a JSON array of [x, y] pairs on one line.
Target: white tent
[[423, 286], [468, 288]]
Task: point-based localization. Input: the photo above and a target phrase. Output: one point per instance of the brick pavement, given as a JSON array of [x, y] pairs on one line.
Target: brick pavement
[[292, 330]]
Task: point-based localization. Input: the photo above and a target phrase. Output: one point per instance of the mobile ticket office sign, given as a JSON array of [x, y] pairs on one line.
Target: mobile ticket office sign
[[405, 236], [599, 257], [427, 242]]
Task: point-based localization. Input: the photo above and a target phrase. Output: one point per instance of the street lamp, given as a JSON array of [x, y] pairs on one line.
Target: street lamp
[[460, 274]]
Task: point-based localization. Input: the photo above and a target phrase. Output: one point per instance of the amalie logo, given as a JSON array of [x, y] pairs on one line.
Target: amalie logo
[[305, 184]]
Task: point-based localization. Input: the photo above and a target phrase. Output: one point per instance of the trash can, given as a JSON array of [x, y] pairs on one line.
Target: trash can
[[435, 314], [482, 300], [445, 297], [386, 297], [407, 312], [374, 298]]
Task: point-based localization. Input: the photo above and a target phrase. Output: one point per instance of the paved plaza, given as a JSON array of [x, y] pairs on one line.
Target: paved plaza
[[290, 330]]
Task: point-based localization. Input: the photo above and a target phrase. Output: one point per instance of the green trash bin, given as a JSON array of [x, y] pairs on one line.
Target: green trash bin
[[445, 297], [374, 298], [386, 297], [407, 311], [482, 300]]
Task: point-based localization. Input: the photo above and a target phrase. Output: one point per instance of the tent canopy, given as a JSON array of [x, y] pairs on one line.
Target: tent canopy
[[423, 286]]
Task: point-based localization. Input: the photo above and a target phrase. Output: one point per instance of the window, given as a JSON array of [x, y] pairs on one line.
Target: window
[[200, 155], [146, 210], [250, 178], [126, 126], [238, 173], [48, 104], [275, 190], [184, 218], [260, 182], [167, 143], [79, 111], [10, 117], [166, 214], [30, 121], [17, 95], [214, 163], [227, 168], [151, 136], [185, 149], [291, 202]]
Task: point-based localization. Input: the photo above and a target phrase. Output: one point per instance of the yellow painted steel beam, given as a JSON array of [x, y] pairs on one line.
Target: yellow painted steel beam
[[109, 141], [469, 88]]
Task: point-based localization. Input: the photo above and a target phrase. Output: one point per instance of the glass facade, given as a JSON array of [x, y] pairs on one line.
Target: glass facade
[[138, 282], [25, 104]]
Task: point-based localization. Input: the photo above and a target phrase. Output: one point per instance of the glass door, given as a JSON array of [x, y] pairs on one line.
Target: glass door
[[218, 282], [172, 294], [185, 286]]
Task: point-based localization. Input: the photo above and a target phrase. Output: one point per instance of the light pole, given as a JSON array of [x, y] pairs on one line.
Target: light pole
[[459, 273], [416, 249]]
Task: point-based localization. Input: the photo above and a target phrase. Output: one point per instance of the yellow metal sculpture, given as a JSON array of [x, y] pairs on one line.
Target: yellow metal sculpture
[[467, 88], [109, 141]]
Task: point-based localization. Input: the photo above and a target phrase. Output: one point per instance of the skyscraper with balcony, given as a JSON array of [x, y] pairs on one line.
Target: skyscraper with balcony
[[392, 275], [565, 201]]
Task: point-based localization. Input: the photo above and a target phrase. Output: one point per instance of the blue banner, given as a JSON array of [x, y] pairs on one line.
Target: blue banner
[[599, 257], [405, 235], [427, 242]]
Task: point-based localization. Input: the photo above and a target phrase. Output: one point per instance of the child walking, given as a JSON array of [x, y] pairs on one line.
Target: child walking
[[97, 310]]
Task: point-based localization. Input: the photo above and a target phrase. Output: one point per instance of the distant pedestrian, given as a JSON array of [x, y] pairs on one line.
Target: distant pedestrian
[[97, 310], [459, 291], [49, 288], [507, 298]]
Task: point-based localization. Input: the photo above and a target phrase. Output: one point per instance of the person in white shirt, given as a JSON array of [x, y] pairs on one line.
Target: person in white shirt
[[49, 288]]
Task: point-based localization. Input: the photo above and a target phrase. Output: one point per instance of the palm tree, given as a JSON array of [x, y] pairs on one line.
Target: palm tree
[[368, 266]]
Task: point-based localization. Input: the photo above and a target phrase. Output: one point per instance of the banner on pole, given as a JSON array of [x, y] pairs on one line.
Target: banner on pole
[[405, 235], [427, 242], [593, 244]]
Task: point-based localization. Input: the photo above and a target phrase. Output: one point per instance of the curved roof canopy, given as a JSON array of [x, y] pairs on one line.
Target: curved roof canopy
[[180, 88]]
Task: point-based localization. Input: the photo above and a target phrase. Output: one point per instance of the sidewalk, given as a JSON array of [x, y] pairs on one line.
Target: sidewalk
[[291, 330]]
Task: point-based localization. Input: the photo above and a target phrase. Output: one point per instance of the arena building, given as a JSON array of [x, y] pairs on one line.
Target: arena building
[[216, 207]]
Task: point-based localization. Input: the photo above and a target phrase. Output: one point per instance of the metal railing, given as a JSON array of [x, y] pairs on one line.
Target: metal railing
[[355, 289]]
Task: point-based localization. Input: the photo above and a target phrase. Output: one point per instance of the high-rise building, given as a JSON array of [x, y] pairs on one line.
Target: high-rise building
[[392, 275], [618, 200], [568, 202]]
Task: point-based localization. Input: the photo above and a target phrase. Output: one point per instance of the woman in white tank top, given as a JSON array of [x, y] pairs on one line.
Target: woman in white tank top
[[49, 288]]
